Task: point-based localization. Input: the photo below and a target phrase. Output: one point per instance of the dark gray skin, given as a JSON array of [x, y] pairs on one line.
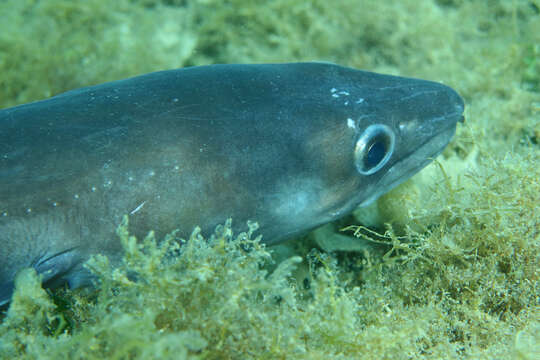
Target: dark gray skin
[[286, 145]]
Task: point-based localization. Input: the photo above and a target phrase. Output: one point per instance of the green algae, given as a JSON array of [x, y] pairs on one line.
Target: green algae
[[48, 47], [453, 272]]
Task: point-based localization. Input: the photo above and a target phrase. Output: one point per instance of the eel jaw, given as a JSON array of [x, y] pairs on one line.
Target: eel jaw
[[405, 168]]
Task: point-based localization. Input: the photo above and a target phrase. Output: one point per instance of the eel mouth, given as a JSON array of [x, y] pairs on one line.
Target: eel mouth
[[422, 156]]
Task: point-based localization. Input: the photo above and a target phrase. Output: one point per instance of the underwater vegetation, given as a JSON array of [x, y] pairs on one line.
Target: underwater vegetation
[[449, 261]]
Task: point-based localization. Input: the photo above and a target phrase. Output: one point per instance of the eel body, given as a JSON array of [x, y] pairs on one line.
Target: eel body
[[291, 146]]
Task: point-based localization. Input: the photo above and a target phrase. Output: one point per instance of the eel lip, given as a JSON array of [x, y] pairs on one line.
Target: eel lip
[[412, 164]]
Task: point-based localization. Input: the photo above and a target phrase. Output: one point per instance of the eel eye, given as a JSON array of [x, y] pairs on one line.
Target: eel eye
[[373, 149]]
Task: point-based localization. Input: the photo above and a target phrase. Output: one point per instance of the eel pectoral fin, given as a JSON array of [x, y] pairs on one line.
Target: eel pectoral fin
[[64, 267]]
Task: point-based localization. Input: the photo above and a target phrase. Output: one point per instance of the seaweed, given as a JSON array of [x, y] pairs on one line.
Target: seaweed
[[450, 269]]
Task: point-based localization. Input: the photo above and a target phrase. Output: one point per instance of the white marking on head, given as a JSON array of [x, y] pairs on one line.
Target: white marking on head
[[351, 124], [360, 100], [409, 125]]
